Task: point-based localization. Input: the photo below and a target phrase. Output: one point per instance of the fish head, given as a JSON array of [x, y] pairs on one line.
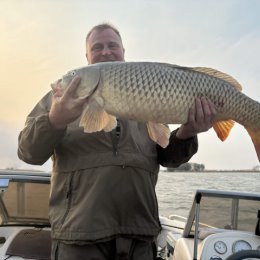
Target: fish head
[[90, 76]]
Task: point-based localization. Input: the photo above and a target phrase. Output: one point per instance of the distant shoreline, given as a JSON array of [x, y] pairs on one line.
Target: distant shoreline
[[210, 171], [164, 170], [231, 171]]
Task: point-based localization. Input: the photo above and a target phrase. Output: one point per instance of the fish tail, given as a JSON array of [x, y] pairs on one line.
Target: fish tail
[[223, 128], [255, 136]]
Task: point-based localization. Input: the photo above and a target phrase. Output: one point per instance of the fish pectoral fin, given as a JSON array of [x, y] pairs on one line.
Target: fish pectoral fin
[[255, 136], [223, 128], [159, 133], [111, 123], [94, 118]]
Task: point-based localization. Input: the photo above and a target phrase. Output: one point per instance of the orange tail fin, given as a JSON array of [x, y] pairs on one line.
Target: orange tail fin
[[223, 128], [255, 136]]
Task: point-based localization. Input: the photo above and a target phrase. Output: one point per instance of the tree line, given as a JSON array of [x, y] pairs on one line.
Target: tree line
[[196, 167]]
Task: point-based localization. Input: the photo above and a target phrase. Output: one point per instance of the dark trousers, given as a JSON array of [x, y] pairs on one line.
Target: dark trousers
[[116, 249]]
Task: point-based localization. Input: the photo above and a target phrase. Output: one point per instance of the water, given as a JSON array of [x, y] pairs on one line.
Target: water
[[175, 190]]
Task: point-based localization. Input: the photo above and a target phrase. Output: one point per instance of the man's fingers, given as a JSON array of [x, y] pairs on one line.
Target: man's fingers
[[209, 110], [200, 118], [212, 107], [199, 113], [56, 89], [192, 115], [57, 92], [206, 110]]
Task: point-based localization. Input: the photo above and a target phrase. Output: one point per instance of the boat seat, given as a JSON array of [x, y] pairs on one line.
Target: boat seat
[[32, 244]]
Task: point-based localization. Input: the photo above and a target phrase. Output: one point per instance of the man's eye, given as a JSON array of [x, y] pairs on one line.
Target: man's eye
[[97, 48], [113, 45]]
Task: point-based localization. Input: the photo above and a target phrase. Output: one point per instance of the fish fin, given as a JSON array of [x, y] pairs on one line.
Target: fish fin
[[94, 118], [223, 128], [111, 123], [219, 75], [255, 136], [159, 133]]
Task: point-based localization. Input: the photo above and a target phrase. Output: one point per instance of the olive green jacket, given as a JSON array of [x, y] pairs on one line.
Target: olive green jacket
[[102, 185]]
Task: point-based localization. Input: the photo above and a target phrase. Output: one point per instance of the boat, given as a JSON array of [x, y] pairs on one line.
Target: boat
[[220, 224]]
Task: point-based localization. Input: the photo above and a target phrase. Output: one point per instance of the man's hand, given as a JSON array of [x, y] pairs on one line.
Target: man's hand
[[200, 119], [66, 106]]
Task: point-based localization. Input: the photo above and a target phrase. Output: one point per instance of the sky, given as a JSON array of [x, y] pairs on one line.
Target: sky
[[40, 40]]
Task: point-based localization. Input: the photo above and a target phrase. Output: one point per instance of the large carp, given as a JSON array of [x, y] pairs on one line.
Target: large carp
[[159, 94]]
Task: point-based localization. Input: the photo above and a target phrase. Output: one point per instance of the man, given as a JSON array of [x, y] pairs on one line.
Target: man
[[103, 203]]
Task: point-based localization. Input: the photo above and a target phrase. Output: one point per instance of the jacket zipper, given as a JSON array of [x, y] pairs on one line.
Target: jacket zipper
[[115, 135], [68, 198]]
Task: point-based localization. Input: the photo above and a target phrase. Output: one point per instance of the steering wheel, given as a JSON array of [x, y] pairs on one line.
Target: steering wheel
[[244, 254]]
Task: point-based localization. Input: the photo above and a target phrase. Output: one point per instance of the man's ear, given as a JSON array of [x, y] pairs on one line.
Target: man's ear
[[87, 57]]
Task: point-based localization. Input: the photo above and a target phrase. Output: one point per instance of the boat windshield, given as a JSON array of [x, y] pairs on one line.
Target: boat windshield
[[24, 202], [226, 213], [223, 211]]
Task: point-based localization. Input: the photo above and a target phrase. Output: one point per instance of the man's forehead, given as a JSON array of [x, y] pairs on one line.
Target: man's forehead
[[104, 36]]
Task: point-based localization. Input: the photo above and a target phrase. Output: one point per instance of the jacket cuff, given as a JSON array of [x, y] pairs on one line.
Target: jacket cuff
[[178, 151]]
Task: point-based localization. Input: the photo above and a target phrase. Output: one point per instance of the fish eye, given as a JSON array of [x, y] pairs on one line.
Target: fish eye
[[72, 73]]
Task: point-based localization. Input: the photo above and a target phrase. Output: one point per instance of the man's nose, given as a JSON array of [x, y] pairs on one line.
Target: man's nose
[[106, 50]]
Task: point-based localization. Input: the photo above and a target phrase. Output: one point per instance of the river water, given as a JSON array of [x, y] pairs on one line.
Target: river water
[[175, 190]]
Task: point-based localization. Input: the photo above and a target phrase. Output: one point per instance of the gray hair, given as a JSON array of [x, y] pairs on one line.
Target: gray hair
[[102, 27]]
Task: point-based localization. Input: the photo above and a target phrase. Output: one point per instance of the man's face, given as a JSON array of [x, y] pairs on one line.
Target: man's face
[[104, 46]]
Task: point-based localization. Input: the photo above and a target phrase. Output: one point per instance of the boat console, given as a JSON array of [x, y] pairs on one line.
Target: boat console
[[219, 225]]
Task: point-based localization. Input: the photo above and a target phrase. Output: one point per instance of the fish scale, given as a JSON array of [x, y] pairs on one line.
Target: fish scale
[[159, 93], [178, 87]]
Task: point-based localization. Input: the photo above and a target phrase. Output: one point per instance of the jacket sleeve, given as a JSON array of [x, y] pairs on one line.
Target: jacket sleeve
[[37, 141], [178, 151]]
